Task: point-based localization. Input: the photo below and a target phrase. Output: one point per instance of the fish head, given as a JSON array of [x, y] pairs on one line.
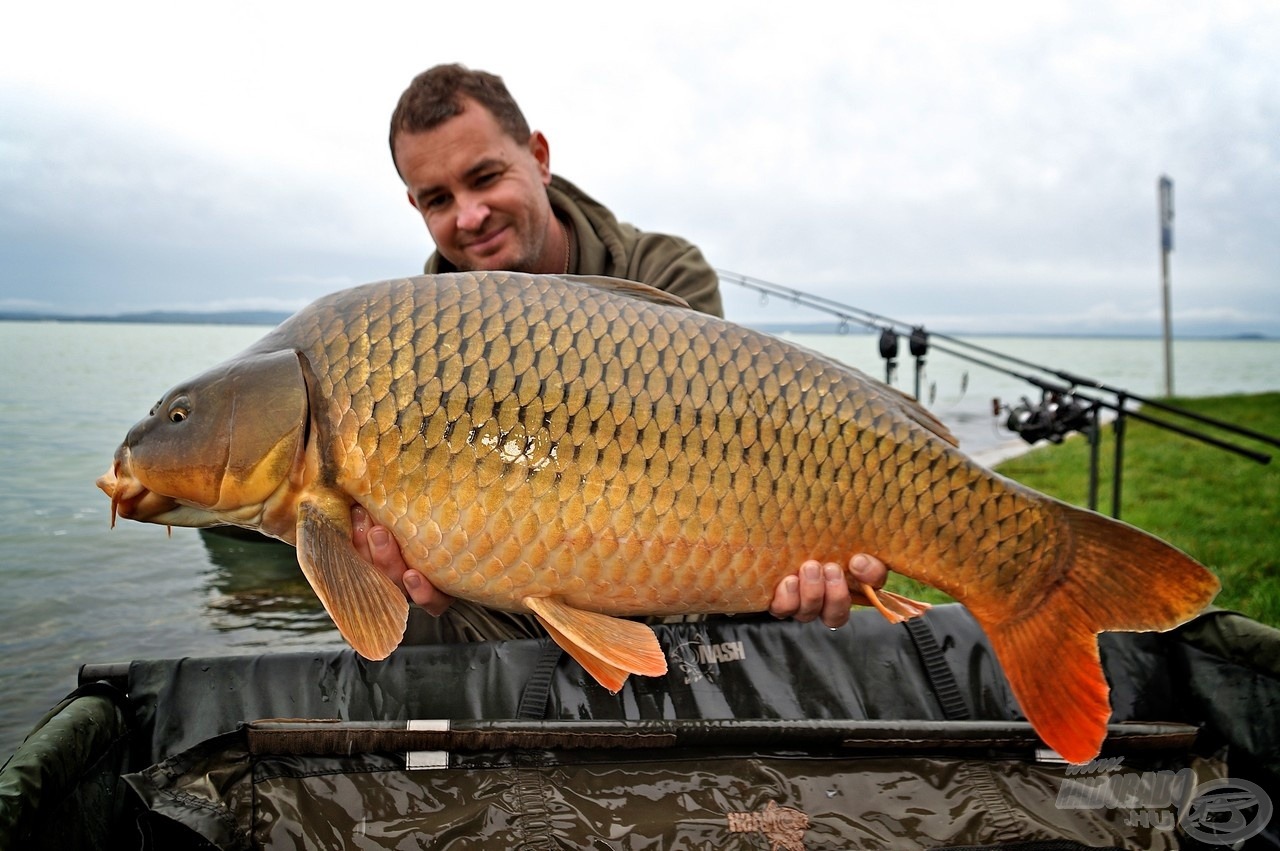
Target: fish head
[[217, 449]]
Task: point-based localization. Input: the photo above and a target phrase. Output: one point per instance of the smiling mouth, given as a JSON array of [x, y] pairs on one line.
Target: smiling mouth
[[486, 244]]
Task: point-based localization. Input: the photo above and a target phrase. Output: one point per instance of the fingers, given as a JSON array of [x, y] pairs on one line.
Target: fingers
[[376, 545], [360, 533], [822, 590], [426, 595], [835, 601], [813, 588], [868, 569], [810, 593], [786, 597]]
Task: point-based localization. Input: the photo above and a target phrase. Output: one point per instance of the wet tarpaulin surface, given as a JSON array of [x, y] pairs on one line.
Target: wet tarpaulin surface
[[677, 798]]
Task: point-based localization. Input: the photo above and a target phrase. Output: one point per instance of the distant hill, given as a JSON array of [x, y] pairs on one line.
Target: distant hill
[[271, 317], [275, 317], [161, 317], [832, 327]]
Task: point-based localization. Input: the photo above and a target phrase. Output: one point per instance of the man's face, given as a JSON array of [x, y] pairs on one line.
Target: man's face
[[481, 193]]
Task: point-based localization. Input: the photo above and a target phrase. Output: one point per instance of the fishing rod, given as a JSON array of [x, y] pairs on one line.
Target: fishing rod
[[846, 314], [1080, 381], [1063, 408], [849, 314], [1069, 391]]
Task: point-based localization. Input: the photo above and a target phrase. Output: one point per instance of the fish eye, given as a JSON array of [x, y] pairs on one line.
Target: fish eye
[[179, 409]]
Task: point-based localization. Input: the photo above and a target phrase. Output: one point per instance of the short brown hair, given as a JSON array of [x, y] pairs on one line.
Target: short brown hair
[[437, 94]]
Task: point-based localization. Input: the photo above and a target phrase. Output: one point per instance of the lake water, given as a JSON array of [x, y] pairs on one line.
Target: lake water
[[72, 591]]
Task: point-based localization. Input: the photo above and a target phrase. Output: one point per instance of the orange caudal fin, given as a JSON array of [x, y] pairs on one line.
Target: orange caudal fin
[[1117, 578], [1056, 674]]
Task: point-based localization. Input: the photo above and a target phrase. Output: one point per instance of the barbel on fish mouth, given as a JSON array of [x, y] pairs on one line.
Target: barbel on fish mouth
[[585, 449]]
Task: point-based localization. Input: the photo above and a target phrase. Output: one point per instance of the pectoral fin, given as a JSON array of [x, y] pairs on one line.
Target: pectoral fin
[[608, 648], [366, 606]]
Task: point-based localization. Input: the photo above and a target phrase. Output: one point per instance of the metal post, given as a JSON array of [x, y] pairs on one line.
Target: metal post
[[1095, 446], [1118, 472], [1165, 191]]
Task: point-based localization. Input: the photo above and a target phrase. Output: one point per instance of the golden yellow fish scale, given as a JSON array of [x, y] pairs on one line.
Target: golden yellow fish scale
[[528, 436]]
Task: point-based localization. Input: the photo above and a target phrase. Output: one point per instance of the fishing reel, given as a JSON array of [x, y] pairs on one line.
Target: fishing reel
[[1057, 415]]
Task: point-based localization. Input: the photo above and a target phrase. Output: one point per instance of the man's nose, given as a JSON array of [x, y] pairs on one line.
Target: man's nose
[[472, 212]]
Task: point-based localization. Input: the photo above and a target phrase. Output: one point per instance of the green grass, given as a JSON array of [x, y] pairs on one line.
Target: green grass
[[1222, 509]]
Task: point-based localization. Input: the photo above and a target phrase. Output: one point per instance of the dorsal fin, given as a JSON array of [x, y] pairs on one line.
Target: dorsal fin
[[922, 415], [628, 288]]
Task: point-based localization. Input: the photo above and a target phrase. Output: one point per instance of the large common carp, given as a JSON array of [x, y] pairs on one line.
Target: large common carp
[[587, 448]]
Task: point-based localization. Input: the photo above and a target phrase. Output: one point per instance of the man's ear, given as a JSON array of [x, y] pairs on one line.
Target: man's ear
[[542, 153], [413, 202]]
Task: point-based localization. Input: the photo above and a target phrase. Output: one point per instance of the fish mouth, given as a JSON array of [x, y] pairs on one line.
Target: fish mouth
[[130, 498]]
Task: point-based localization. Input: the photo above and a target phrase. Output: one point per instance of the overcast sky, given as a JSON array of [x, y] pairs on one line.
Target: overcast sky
[[972, 166]]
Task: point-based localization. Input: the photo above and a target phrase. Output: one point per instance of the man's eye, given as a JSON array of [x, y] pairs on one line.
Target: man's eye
[[486, 178], [435, 202]]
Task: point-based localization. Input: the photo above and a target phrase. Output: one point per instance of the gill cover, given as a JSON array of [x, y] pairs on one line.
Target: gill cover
[[226, 439]]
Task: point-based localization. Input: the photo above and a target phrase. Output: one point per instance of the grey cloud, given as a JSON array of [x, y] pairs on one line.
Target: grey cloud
[[983, 168], [95, 218]]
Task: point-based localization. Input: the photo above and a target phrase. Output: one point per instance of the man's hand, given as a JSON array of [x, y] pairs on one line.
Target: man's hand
[[818, 590], [822, 590], [375, 545]]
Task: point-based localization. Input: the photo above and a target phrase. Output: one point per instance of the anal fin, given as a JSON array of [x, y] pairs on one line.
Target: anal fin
[[367, 607], [608, 648], [895, 607]]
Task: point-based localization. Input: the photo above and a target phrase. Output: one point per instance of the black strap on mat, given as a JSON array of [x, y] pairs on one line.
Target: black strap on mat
[[945, 687], [537, 691]]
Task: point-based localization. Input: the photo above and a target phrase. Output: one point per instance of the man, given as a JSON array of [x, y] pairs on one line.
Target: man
[[482, 182]]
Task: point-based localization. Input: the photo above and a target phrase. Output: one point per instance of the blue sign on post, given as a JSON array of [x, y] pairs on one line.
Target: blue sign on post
[[1165, 186]]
